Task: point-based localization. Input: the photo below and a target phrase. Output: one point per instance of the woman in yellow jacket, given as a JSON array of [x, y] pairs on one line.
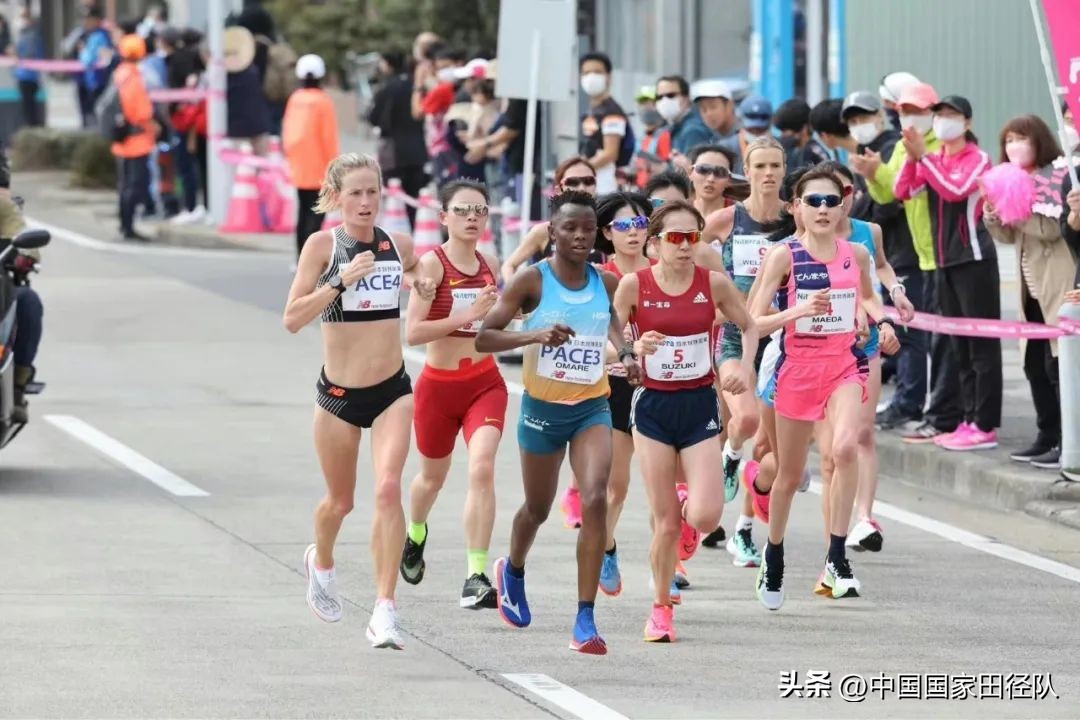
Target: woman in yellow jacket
[[310, 139], [1046, 268]]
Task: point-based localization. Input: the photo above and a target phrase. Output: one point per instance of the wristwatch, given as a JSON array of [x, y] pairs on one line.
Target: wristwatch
[[898, 286], [336, 283], [627, 349]]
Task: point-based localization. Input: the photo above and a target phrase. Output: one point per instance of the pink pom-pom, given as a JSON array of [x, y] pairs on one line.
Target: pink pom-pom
[[1011, 190]]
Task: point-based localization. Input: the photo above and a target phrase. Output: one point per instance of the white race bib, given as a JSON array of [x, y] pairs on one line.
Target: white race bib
[[839, 318], [378, 291], [747, 252], [680, 358], [463, 299], [580, 360]]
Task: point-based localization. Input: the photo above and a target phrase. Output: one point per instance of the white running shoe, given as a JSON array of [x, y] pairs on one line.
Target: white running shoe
[[383, 630], [841, 580], [866, 535], [323, 600]]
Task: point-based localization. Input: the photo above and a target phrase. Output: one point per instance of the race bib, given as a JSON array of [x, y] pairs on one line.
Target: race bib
[[680, 358], [463, 299], [580, 360], [378, 291], [747, 252], [839, 318]]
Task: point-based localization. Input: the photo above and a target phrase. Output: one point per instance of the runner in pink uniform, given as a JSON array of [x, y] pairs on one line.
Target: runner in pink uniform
[[821, 372]]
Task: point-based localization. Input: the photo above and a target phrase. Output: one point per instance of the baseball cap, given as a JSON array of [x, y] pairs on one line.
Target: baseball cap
[[920, 95], [645, 92], [859, 102], [710, 89], [310, 65], [894, 84], [756, 112], [475, 68], [957, 103]]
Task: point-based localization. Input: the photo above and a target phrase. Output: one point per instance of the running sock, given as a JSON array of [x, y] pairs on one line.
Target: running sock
[[745, 523], [418, 532], [612, 550], [731, 452], [477, 562], [585, 605], [518, 572], [324, 576], [837, 552], [774, 554]]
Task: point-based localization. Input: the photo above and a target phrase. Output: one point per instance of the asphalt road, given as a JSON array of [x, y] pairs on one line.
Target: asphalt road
[[122, 598]]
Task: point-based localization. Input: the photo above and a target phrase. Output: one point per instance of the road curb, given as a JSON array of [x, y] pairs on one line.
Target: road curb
[[1059, 511], [982, 479], [201, 236]]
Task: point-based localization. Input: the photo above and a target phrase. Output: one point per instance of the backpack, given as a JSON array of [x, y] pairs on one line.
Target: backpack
[[112, 124], [280, 78]]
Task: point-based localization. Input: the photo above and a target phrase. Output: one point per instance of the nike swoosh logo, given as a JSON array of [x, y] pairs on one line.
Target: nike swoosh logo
[[455, 283]]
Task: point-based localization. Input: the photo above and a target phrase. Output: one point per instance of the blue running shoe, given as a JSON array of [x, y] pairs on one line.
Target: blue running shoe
[[610, 578], [586, 637], [512, 604]]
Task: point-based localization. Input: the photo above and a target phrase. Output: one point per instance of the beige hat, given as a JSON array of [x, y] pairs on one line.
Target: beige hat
[[239, 46]]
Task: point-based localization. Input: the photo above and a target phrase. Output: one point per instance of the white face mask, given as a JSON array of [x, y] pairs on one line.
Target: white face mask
[[594, 84], [949, 128], [864, 133], [1020, 153], [922, 123], [669, 108], [1072, 137]]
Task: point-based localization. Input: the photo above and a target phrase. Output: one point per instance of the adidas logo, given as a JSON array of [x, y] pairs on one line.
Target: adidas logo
[[712, 423], [700, 298]]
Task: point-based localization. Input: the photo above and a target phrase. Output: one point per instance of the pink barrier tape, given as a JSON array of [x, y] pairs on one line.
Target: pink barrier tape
[[983, 328], [183, 94], [55, 66], [235, 157]]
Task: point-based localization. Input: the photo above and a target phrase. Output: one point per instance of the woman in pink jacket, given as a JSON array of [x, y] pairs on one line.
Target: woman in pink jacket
[[968, 283]]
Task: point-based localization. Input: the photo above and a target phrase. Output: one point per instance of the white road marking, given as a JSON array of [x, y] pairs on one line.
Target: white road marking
[[970, 539], [124, 455], [564, 696], [85, 241]]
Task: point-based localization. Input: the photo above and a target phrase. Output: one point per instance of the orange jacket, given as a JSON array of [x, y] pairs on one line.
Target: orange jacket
[[138, 110], [309, 135]]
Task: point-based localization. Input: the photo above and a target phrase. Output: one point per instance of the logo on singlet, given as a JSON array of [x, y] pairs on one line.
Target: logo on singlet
[[384, 245], [455, 283], [700, 298], [847, 263]]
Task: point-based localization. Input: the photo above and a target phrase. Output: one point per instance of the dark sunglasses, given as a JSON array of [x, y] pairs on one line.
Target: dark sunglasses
[[669, 95], [718, 171], [576, 182], [817, 200], [638, 222], [678, 237], [464, 210]]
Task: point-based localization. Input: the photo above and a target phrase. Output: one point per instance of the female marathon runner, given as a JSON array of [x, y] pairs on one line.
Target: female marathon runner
[[821, 371], [740, 234], [866, 533], [352, 277], [711, 176], [623, 219], [676, 415], [570, 321], [459, 389], [574, 173]]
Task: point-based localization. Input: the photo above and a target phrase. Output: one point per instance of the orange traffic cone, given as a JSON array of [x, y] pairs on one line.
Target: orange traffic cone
[[428, 233], [282, 209], [393, 217], [244, 215]]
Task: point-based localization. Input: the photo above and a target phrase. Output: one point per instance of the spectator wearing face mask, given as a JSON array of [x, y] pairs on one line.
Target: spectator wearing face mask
[[1046, 271], [606, 140], [892, 87], [801, 148], [967, 280], [673, 104], [826, 121], [944, 413], [654, 147], [755, 118]]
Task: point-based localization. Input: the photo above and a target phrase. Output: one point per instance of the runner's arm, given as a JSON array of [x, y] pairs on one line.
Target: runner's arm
[[617, 325], [522, 294], [730, 301], [870, 301], [305, 303], [534, 242], [774, 268], [718, 225], [418, 329], [623, 307], [706, 256]]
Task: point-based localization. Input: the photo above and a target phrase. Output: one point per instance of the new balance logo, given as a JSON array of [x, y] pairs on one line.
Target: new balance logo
[[698, 299], [712, 425]]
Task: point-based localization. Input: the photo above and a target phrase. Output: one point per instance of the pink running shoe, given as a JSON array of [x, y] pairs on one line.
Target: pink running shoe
[[973, 439], [571, 507], [691, 536], [661, 625], [761, 502], [961, 430]]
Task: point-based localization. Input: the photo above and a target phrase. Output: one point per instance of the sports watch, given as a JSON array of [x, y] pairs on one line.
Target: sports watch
[[336, 283]]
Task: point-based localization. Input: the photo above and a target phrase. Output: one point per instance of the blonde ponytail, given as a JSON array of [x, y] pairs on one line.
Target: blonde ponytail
[[339, 167]]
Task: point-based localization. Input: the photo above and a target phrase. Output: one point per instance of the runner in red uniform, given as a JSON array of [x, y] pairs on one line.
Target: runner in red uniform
[[676, 415], [459, 389]]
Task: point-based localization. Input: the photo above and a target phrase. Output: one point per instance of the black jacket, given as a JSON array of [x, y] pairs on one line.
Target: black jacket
[[895, 233]]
